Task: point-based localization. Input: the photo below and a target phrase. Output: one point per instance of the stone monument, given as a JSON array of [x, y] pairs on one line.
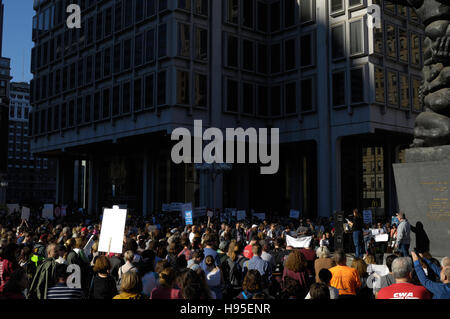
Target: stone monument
[[423, 182]]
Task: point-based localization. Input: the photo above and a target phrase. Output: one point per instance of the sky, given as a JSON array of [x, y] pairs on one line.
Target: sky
[[17, 43]]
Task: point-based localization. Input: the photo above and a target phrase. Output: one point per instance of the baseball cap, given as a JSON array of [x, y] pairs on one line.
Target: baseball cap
[[254, 226]]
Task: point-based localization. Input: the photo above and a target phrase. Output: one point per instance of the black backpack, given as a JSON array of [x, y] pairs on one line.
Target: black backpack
[[235, 271]]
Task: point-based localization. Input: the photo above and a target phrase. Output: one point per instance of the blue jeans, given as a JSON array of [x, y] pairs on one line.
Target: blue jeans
[[404, 249], [356, 242]]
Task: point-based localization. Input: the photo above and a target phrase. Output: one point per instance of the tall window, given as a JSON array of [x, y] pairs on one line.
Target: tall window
[[150, 8], [232, 96], [232, 51], [276, 100], [117, 57], [262, 58], [416, 99], [356, 37], [275, 19], [184, 40], [263, 101], [98, 65], [306, 50], [248, 98], [128, 15], [403, 45], [247, 14], [233, 11], [200, 90], [290, 101], [107, 62], [201, 7], [357, 81], [149, 92], [404, 91], [337, 6], [97, 105], [352, 3], [391, 41], [80, 71], [56, 117], [139, 10], [161, 88], [290, 54], [127, 48], [261, 16], [307, 91], [71, 112], [415, 49], [338, 41], [307, 10], [378, 40], [106, 103], [150, 45], [392, 88], [79, 110], [248, 55], [137, 95], [138, 49], [99, 26], [290, 7], [183, 88], [118, 16], [201, 44], [162, 40], [87, 108], [116, 100], [339, 88], [275, 58], [126, 97], [184, 4], [379, 85]]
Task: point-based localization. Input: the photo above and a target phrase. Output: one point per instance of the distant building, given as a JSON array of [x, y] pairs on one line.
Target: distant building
[[31, 180], [344, 97]]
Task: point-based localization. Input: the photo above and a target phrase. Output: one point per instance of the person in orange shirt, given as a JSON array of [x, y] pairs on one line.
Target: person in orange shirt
[[344, 278]]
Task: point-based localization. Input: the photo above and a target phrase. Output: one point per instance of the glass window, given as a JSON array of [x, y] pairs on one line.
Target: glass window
[[161, 88], [137, 95], [99, 26], [391, 43], [389, 6], [184, 4], [138, 49], [415, 49], [116, 100], [87, 108], [248, 98], [290, 7], [357, 81], [200, 90], [150, 8], [126, 97], [378, 40], [97, 105], [291, 98], [139, 10], [392, 88], [339, 88], [201, 7], [106, 103], [117, 57], [79, 110], [262, 16], [162, 40], [337, 5], [263, 101], [56, 117], [232, 50], [98, 65], [128, 15], [356, 37], [118, 16], [307, 8], [276, 100], [379, 85], [248, 55], [80, 71], [275, 58], [184, 40], [306, 53], [183, 87], [149, 92], [403, 45], [307, 89], [150, 45], [290, 54], [201, 44], [275, 11], [232, 96], [107, 62], [247, 13], [338, 41], [404, 91], [127, 48], [262, 58], [233, 11], [89, 67], [71, 112], [416, 99], [162, 5], [352, 3]]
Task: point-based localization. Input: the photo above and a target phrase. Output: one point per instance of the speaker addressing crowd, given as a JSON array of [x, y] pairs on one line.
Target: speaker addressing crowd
[[164, 259]]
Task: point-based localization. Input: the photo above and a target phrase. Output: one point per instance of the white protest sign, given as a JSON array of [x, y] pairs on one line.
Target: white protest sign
[[25, 213], [260, 216], [294, 213], [12, 208], [112, 231], [88, 246], [210, 213], [375, 232], [47, 211], [240, 215], [381, 237], [367, 216], [301, 242]]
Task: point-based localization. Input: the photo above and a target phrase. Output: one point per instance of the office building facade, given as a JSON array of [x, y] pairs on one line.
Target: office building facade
[[107, 96]]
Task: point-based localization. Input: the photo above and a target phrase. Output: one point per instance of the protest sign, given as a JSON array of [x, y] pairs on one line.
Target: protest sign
[[375, 232], [381, 237], [199, 212], [63, 211], [294, 213], [88, 246], [301, 242], [25, 213], [112, 230], [395, 220], [13, 208], [210, 214], [47, 211], [188, 217], [367, 216], [241, 215], [260, 216]]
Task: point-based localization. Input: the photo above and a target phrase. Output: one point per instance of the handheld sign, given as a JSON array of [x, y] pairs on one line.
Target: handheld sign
[[367, 216], [210, 213], [25, 213], [112, 231], [12, 208], [294, 213], [47, 211], [188, 217], [88, 246], [240, 215], [381, 238], [302, 242], [395, 220]]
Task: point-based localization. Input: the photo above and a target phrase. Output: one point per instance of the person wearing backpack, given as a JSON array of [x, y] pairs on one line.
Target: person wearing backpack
[[232, 268]]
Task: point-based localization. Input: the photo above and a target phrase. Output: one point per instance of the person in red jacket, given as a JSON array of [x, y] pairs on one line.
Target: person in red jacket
[[248, 252], [8, 263]]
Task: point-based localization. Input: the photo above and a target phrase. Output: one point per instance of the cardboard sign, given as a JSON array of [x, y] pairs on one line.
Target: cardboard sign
[[112, 230], [47, 211], [294, 213], [381, 238], [25, 213], [367, 216], [13, 208], [241, 215], [301, 242], [260, 216]]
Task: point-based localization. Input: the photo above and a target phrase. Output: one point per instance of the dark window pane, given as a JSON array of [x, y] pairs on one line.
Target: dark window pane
[[150, 8], [290, 56], [137, 94], [276, 100], [247, 13], [337, 5], [291, 98], [126, 98], [356, 37], [339, 89], [118, 16], [139, 10], [106, 103], [306, 11], [232, 51], [161, 88], [275, 58], [138, 49], [87, 108], [149, 92], [128, 4], [200, 90], [338, 43], [262, 16], [150, 45], [357, 81], [248, 99], [89, 65], [108, 21], [263, 100], [232, 96], [275, 11], [201, 46], [262, 58], [306, 50], [116, 101], [117, 51], [248, 56], [97, 105], [127, 54], [182, 87], [107, 62], [162, 40], [184, 40], [307, 92], [289, 12], [233, 11]]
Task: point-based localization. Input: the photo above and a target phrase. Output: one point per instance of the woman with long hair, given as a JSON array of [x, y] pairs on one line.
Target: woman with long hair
[[193, 287], [296, 268], [103, 285], [166, 288]]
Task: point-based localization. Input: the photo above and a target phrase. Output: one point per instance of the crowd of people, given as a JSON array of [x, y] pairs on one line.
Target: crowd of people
[[164, 259]]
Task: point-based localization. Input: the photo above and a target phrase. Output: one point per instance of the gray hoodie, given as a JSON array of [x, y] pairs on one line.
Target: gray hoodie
[[403, 231]]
